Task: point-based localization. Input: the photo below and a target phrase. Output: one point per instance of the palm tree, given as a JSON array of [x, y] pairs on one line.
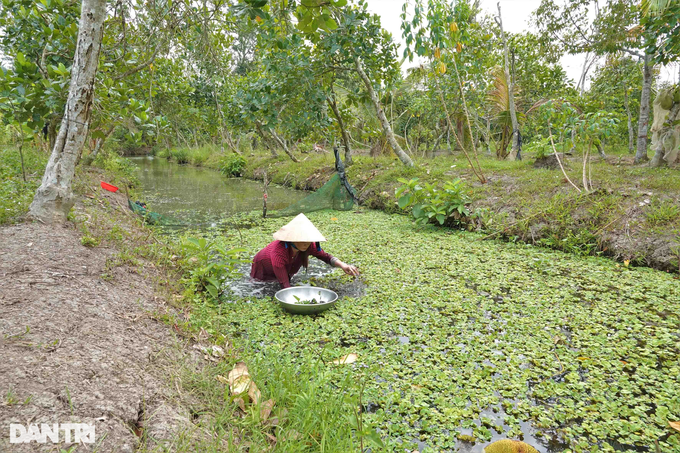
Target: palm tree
[[656, 7], [500, 107]]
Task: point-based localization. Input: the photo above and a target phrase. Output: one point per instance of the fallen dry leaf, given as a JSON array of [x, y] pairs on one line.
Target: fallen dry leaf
[[254, 393], [349, 358], [266, 410], [674, 425], [241, 403], [222, 379], [272, 438], [239, 379], [274, 421]]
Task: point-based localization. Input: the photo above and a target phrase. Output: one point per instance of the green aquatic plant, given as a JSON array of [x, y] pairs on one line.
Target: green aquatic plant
[[312, 301], [581, 352]]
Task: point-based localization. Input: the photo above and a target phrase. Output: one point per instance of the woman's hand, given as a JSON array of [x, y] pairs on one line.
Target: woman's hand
[[349, 269]]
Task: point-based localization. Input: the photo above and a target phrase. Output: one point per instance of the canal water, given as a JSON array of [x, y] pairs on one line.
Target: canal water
[[195, 196]]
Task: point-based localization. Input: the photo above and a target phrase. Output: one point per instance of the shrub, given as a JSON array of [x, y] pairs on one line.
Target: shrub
[[199, 156], [430, 203], [163, 153], [118, 167], [15, 194], [181, 155], [233, 165], [541, 146], [210, 265]]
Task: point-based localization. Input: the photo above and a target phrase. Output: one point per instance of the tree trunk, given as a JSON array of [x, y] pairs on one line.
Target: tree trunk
[[283, 145], [430, 154], [52, 130], [643, 121], [224, 137], [265, 140], [54, 198], [516, 143], [98, 146], [345, 138], [488, 135], [234, 146], [631, 132], [477, 173], [387, 130], [667, 127]]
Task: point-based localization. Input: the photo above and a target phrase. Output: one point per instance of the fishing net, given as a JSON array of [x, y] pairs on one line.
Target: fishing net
[[150, 217], [336, 194]]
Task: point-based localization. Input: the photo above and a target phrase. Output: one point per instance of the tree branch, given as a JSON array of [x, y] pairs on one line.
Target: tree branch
[[139, 67]]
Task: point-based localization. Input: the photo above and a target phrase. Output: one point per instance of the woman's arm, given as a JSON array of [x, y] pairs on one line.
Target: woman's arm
[[347, 268], [333, 261]]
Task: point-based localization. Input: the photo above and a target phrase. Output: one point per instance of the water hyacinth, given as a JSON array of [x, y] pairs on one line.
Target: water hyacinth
[[459, 340]]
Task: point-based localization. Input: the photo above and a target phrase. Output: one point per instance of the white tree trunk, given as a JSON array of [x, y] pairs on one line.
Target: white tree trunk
[[511, 93], [54, 198], [659, 136], [643, 121], [387, 130]]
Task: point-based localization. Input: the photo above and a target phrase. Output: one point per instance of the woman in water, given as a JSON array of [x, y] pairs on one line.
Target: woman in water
[[292, 245]]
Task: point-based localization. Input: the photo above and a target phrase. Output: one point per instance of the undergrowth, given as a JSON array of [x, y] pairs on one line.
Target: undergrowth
[[15, 194]]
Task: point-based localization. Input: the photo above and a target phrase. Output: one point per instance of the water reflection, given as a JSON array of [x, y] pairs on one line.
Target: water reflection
[[201, 196]]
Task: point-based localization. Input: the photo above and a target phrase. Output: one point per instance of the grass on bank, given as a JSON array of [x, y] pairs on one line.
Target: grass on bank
[[15, 194]]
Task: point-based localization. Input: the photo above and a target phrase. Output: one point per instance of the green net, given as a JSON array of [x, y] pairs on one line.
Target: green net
[[332, 195], [150, 217], [336, 194]]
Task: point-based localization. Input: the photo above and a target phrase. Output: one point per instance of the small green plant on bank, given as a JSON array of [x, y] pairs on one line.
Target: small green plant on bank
[[210, 265], [15, 193], [181, 155], [580, 242], [430, 203], [11, 397], [89, 241], [540, 146], [233, 165], [164, 153], [663, 213]]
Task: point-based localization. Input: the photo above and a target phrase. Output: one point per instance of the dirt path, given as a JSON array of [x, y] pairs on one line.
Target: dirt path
[[80, 348]]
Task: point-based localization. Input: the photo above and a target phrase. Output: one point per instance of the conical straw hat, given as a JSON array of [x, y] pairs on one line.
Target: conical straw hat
[[300, 229]]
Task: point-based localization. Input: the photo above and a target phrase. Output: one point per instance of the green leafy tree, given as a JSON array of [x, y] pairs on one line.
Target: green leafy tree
[[443, 33], [615, 27]]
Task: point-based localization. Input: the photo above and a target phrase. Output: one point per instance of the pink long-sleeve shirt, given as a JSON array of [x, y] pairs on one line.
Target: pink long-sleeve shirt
[[276, 262]]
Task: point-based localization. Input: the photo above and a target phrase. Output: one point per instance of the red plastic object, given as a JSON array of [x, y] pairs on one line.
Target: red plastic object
[[109, 187]]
